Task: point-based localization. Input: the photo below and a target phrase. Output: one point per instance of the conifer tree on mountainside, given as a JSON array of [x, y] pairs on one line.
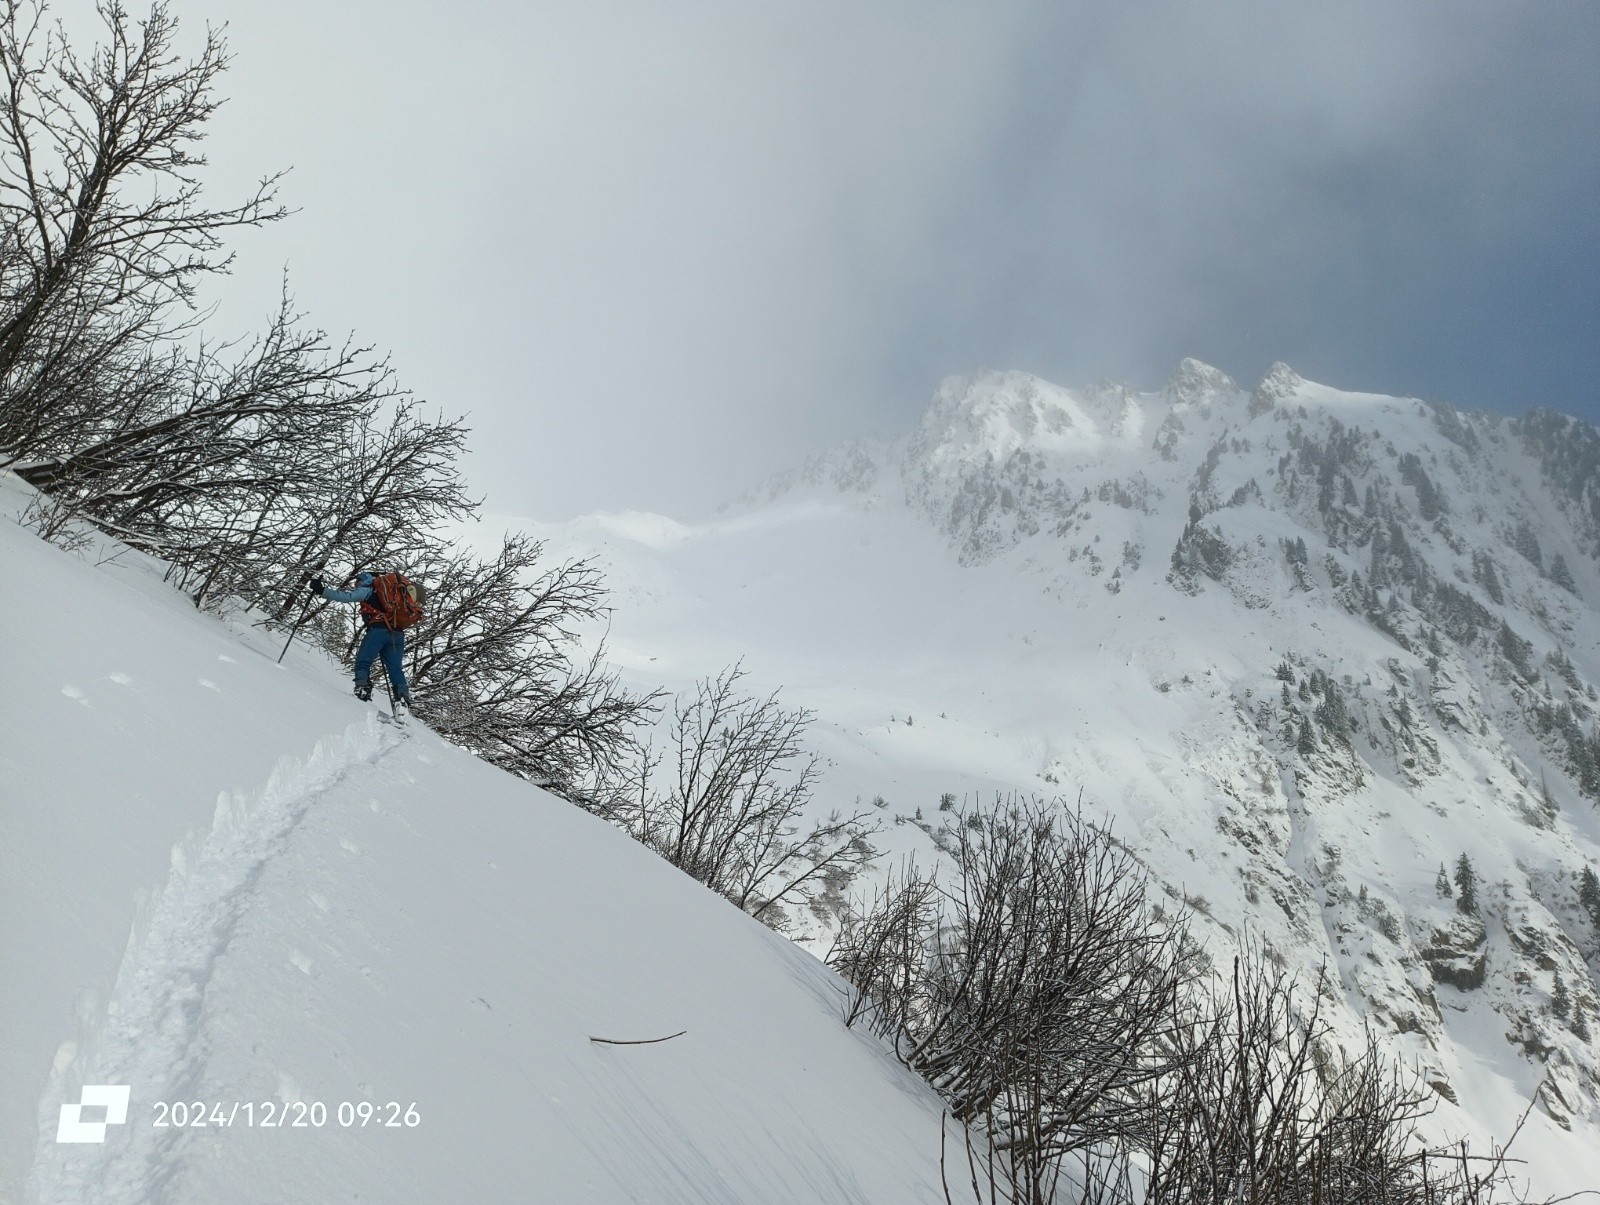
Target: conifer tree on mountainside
[[1589, 894], [1466, 886]]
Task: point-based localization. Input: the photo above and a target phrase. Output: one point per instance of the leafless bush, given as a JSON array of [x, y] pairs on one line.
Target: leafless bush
[[1254, 1105], [734, 810], [881, 948], [1236, 1114], [1069, 1032], [56, 523], [1049, 984], [1036, 1002], [1259, 1105]]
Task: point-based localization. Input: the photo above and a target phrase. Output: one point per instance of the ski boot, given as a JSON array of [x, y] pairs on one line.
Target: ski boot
[[364, 691]]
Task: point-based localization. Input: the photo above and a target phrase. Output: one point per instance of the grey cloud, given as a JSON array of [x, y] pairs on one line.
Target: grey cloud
[[658, 251]]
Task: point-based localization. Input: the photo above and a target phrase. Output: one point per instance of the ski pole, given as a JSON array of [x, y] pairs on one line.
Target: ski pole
[[295, 627], [394, 706]]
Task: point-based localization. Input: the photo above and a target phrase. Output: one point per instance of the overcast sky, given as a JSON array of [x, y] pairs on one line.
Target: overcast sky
[[659, 250]]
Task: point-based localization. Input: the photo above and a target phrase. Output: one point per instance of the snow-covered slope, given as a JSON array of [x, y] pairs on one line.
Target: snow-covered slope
[[1304, 646], [221, 881]]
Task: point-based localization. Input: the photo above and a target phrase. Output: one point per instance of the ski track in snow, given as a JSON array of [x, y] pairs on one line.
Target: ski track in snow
[[146, 1036]]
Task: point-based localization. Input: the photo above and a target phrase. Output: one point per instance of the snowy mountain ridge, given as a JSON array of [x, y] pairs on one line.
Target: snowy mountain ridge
[[1304, 647]]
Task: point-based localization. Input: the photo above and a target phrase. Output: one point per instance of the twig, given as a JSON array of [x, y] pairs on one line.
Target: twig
[[638, 1041]]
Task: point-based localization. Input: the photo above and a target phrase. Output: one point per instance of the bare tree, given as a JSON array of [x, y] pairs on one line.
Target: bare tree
[[102, 227], [735, 812], [494, 668], [240, 465], [245, 467], [248, 466]]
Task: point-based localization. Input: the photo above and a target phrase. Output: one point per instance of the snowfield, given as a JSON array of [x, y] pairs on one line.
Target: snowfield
[[224, 883], [1300, 648]]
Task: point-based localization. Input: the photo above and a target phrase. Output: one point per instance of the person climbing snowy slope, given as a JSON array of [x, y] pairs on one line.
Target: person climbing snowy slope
[[390, 603]]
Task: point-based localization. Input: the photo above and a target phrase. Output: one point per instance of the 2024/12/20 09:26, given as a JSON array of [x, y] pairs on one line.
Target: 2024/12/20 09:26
[[272, 1114]]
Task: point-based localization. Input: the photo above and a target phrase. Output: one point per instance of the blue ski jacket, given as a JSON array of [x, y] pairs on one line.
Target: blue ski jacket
[[362, 591]]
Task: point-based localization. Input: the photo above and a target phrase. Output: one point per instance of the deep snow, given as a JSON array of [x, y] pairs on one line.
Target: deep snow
[[223, 882]]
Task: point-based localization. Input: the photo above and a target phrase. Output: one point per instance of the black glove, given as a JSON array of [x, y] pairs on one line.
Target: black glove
[[316, 585]]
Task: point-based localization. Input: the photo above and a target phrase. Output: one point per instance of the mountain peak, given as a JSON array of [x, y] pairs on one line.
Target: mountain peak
[[992, 414], [1196, 383], [1280, 382]]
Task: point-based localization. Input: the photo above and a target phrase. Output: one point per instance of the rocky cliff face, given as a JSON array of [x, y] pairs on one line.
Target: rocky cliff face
[[1387, 614]]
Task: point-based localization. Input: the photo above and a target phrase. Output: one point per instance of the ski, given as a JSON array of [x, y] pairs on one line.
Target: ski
[[395, 717], [398, 712]]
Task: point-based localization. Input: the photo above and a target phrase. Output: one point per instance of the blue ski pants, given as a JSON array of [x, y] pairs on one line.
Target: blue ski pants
[[381, 642]]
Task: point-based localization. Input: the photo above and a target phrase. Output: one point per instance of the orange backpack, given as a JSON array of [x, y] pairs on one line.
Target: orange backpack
[[396, 601]]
